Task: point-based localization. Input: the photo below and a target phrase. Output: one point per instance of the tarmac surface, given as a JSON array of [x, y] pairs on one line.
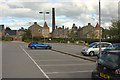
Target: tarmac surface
[[18, 61]]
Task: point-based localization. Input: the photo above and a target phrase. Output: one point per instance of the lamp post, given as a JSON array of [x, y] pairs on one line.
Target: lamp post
[[45, 12], [100, 28]]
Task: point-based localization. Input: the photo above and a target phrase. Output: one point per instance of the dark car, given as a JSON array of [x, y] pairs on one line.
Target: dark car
[[36, 44], [108, 66], [112, 47]]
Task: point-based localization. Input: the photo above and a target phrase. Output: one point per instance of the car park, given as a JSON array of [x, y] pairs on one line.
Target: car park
[[107, 66], [36, 44], [93, 49]]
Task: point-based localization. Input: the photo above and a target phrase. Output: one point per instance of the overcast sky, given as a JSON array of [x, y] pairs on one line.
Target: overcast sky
[[22, 13]]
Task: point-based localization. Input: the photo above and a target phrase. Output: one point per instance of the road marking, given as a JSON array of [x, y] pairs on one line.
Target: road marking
[[68, 72], [36, 64], [50, 60], [67, 64]]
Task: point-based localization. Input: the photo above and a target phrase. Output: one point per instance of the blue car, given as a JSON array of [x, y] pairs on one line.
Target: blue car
[[36, 44], [112, 47]]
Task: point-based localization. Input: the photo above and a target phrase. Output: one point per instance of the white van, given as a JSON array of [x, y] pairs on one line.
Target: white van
[[93, 49]]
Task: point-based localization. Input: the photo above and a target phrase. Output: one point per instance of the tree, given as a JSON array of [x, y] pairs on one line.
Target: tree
[[7, 28], [114, 30], [27, 35]]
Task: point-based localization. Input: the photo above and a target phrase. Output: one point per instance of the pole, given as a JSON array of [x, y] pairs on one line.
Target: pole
[[44, 25], [100, 28], [44, 22], [32, 33]]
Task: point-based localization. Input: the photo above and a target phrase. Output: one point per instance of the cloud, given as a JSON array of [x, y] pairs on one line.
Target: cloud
[[67, 12]]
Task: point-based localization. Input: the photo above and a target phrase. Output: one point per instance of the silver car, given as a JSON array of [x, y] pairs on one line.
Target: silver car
[[93, 49]]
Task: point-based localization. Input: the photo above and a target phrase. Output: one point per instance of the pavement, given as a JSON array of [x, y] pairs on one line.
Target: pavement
[[22, 62], [70, 48]]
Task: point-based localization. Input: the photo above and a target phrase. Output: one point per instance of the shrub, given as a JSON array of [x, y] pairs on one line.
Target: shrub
[[8, 39], [27, 40]]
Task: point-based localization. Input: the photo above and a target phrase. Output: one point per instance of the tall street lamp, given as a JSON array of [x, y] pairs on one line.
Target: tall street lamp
[[100, 27], [45, 12]]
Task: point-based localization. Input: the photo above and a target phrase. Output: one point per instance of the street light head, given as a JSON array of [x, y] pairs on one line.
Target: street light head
[[40, 12], [47, 12]]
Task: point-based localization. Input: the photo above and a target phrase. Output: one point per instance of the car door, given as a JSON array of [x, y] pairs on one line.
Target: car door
[[104, 45], [96, 48], [41, 45], [36, 44]]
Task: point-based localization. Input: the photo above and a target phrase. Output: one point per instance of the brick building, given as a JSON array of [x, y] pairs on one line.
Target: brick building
[[73, 32], [60, 32], [2, 30], [89, 31], [20, 34], [39, 31], [11, 33]]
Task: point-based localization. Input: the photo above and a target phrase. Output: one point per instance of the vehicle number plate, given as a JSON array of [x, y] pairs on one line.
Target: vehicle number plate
[[104, 76]]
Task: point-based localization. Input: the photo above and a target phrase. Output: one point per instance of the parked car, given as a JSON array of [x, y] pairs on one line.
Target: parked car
[[93, 49], [108, 66], [36, 44], [112, 47]]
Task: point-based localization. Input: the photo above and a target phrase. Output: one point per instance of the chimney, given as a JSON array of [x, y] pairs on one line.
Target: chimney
[[89, 24], [63, 27], [56, 27], [74, 25], [53, 19], [35, 22]]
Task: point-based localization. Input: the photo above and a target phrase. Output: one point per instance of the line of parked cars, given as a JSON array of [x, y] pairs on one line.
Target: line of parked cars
[[107, 65]]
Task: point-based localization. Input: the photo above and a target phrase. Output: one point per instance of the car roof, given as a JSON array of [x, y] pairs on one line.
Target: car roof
[[102, 42], [116, 44]]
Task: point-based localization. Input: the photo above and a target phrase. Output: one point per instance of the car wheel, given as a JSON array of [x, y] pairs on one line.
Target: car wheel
[[91, 53], [33, 47], [48, 47]]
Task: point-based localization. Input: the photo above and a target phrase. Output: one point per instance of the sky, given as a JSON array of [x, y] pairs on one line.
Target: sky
[[23, 13]]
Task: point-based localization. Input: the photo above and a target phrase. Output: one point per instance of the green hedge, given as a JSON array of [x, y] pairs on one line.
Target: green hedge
[[8, 39], [65, 40]]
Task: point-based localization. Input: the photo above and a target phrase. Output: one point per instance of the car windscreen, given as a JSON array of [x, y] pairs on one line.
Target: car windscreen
[[91, 45], [114, 46], [40, 43], [110, 60]]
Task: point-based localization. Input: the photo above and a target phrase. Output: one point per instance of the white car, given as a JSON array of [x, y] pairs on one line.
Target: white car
[[93, 49]]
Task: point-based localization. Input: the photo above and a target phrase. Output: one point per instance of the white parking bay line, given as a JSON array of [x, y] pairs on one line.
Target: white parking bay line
[[69, 72], [35, 63], [68, 64]]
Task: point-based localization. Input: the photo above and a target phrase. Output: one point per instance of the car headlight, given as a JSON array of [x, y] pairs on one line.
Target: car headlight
[[85, 49]]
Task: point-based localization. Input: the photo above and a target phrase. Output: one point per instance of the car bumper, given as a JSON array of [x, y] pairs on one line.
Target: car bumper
[[29, 46], [84, 52], [96, 76]]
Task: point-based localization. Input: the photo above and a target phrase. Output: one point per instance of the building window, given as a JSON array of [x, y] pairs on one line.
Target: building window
[[39, 31]]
